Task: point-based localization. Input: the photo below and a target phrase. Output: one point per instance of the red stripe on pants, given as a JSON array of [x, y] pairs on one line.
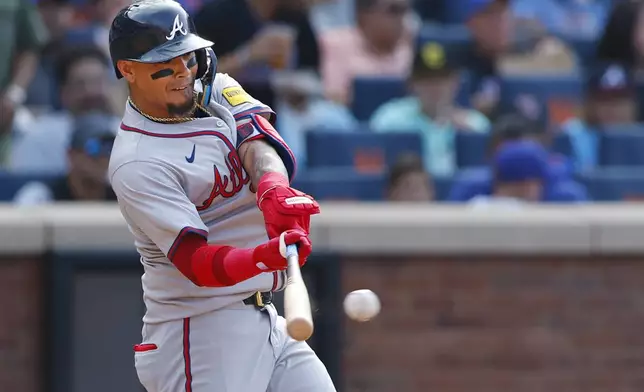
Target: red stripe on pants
[[186, 353]]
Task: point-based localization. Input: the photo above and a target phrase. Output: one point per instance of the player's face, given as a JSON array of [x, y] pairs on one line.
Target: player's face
[[169, 85]]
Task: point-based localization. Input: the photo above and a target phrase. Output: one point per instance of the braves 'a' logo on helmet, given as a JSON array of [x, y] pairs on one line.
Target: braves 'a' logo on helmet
[[177, 27]]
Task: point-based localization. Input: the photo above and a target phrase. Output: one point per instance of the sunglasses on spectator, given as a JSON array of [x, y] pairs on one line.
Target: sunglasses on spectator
[[98, 147]]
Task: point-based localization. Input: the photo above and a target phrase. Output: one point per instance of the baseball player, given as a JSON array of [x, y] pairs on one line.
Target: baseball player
[[202, 180]]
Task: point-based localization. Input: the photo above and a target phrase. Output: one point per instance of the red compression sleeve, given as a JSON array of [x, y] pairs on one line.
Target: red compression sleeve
[[213, 265]]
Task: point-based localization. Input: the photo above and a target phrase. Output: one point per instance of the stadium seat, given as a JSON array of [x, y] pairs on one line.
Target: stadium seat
[[11, 183], [444, 34], [364, 151], [340, 183], [561, 144], [471, 149], [343, 183], [557, 97], [442, 187], [622, 146], [468, 183], [370, 93], [614, 184]]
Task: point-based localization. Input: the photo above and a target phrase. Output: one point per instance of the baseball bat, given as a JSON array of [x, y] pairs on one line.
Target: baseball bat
[[297, 305]]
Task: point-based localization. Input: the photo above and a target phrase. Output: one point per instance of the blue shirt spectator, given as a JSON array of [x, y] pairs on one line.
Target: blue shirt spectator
[[520, 171], [559, 187], [431, 110]]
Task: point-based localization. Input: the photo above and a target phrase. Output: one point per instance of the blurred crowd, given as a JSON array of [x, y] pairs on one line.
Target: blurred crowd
[[407, 92]]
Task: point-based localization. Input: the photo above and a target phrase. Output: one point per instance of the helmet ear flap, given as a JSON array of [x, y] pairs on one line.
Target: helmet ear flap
[[206, 62], [206, 71]]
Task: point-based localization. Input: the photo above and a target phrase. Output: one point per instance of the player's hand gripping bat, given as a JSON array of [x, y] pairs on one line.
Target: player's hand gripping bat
[[297, 305]]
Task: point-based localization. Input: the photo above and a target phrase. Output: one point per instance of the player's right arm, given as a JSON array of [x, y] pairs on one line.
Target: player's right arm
[[153, 201]]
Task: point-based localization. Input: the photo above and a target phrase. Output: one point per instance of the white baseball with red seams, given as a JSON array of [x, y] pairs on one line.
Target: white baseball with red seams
[[361, 305]]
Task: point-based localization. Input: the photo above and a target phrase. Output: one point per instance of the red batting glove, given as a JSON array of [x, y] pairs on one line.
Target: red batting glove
[[271, 256], [284, 208]]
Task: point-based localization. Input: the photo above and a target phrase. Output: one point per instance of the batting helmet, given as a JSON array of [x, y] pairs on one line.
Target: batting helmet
[[155, 31]]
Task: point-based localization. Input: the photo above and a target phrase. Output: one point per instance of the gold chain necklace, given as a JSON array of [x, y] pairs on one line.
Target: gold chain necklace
[[195, 105]]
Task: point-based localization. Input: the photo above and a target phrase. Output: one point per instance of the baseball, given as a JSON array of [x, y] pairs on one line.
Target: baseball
[[361, 305]]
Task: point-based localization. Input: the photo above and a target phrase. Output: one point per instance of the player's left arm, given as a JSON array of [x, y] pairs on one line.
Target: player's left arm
[[260, 158], [284, 208], [267, 159]]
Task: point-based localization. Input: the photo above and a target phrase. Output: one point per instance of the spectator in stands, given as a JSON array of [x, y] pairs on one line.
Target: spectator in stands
[[22, 35], [302, 108], [96, 31], [503, 45], [380, 44], [623, 38], [408, 181], [610, 99], [432, 110], [88, 155], [489, 22], [520, 173], [511, 128], [255, 38], [58, 17], [83, 75]]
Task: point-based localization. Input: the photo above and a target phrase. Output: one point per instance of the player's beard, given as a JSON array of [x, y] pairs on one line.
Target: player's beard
[[182, 110]]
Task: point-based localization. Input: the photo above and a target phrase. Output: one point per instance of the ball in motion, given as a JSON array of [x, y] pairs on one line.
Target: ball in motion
[[361, 305]]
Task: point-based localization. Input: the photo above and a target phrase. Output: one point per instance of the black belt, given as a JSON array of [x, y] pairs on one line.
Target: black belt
[[260, 299]]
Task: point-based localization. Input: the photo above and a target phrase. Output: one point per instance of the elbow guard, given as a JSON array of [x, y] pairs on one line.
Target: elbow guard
[[264, 127]]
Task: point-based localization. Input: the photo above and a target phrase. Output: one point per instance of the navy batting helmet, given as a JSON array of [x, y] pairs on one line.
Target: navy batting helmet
[[155, 31]]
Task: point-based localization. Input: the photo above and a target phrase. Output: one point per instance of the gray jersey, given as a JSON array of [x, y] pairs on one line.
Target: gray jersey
[[172, 179]]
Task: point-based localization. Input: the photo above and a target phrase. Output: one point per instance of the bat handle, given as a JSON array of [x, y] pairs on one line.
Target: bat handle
[[293, 262], [291, 250]]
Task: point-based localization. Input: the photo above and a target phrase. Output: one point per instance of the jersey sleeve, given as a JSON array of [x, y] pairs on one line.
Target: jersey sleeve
[[152, 200], [229, 93]]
